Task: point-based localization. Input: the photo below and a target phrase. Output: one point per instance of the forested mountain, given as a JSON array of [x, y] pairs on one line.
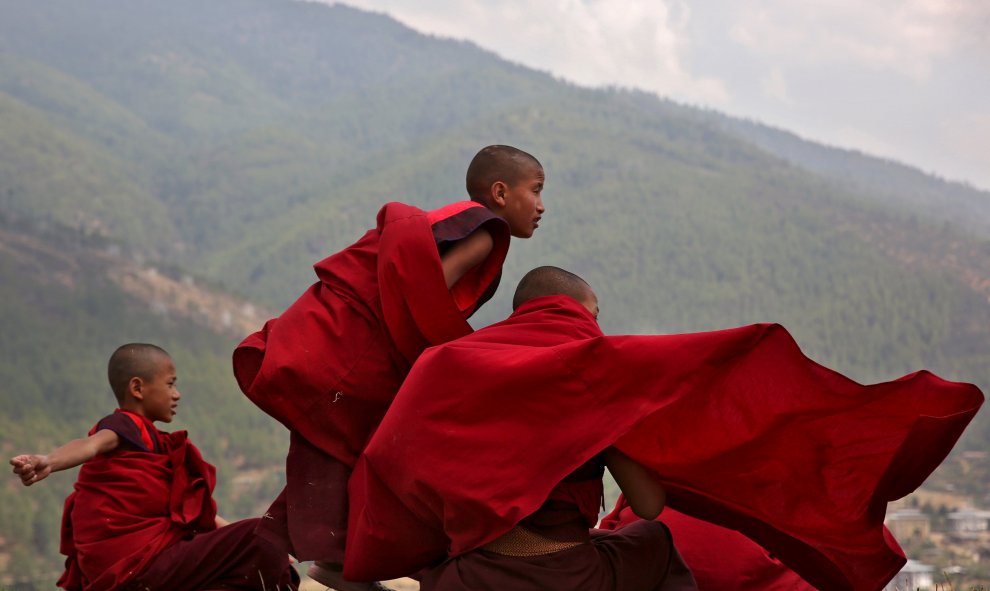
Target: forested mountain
[[231, 144], [893, 185]]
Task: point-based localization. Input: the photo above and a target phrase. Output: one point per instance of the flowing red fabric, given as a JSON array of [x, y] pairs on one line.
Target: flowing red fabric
[[129, 506], [329, 366], [742, 429], [719, 558]]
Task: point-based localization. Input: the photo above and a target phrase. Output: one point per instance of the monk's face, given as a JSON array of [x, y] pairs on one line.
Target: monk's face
[[521, 203], [159, 395]]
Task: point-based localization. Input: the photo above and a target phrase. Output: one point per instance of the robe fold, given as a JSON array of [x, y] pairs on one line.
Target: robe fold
[[329, 366], [741, 428], [129, 506]]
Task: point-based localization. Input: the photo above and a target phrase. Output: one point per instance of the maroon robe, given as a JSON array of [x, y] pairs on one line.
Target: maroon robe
[[329, 366], [741, 428], [230, 557], [142, 518], [636, 558], [129, 506]]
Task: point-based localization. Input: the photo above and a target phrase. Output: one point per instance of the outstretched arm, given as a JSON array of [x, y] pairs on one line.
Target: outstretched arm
[[465, 254], [34, 468], [642, 491]]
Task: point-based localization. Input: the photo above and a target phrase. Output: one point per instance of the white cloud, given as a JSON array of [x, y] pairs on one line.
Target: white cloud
[[881, 76], [590, 42], [899, 34], [903, 36]]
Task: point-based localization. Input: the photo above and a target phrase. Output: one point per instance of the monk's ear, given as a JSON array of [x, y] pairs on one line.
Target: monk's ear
[[135, 387], [497, 193]]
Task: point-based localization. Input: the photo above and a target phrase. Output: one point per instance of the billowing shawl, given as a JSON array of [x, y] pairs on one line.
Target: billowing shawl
[[741, 428]]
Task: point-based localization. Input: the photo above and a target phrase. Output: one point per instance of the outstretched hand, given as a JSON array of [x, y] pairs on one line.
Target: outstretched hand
[[31, 468]]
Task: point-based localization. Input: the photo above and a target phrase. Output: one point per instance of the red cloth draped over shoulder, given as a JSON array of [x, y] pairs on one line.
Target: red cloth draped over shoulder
[[128, 506], [328, 367], [742, 429]]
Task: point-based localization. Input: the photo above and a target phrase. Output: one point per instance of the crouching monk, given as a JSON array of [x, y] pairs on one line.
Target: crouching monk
[[738, 427], [142, 517], [556, 547]]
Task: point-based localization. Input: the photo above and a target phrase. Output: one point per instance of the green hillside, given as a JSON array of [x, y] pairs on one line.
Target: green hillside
[[63, 315], [237, 142]]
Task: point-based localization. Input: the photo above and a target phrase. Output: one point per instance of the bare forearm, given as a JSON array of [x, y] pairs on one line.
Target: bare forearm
[[32, 468], [466, 254], [644, 493], [72, 454]]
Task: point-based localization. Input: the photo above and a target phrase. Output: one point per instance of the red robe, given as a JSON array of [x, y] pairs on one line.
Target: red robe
[[329, 366], [742, 429], [129, 506]]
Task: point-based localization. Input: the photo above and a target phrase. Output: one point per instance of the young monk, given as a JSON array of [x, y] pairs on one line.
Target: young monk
[[329, 366], [738, 426], [555, 547], [142, 515]]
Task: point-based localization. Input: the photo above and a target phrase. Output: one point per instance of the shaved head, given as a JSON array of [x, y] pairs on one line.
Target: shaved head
[[546, 281], [133, 360], [497, 163]]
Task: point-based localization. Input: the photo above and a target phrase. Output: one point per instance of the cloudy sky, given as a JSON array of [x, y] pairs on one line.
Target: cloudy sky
[[903, 79]]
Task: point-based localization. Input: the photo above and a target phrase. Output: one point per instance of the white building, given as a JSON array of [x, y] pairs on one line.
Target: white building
[[969, 521], [913, 577]]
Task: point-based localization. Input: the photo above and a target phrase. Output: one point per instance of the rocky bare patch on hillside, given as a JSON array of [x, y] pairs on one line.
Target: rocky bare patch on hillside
[[63, 263]]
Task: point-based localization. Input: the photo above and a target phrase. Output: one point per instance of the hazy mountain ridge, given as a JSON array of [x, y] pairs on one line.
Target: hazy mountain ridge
[[890, 183], [237, 142]]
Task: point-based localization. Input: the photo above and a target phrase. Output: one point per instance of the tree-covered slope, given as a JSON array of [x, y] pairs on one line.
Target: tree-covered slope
[[889, 183], [67, 302]]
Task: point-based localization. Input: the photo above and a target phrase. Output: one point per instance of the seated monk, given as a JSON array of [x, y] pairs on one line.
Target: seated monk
[[554, 547], [142, 516]]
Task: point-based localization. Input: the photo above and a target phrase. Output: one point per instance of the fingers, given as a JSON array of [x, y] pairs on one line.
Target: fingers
[[21, 464], [31, 476], [27, 474], [25, 466]]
